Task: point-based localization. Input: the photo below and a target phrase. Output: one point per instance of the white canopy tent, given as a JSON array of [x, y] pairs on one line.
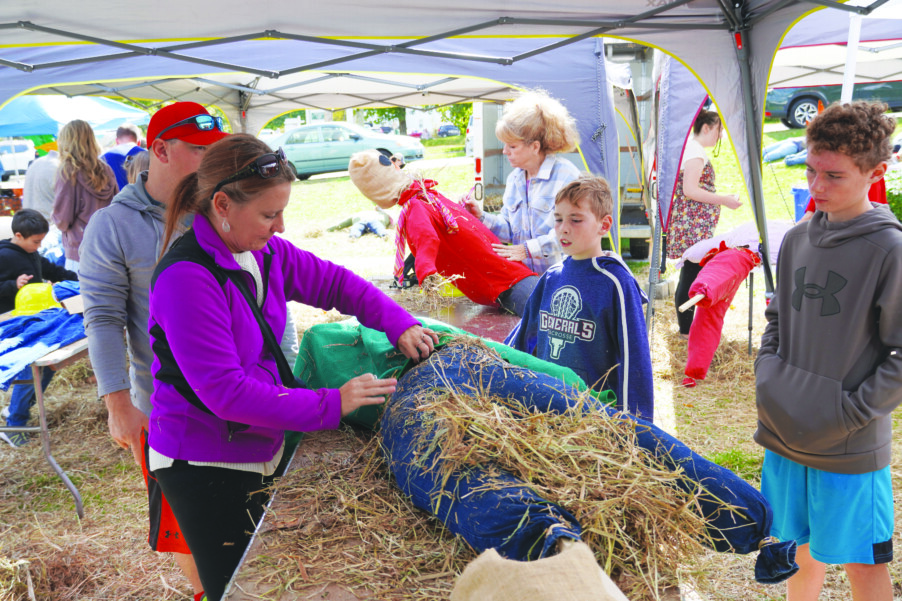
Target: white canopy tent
[[255, 55], [815, 52]]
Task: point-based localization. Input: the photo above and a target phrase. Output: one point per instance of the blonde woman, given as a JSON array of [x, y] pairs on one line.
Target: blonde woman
[[533, 128], [135, 164], [84, 184]]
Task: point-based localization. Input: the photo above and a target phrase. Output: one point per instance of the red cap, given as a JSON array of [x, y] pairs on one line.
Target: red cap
[[179, 111]]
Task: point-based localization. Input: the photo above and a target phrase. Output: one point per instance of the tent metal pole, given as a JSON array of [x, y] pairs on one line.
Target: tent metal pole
[[653, 270], [751, 284], [753, 147]]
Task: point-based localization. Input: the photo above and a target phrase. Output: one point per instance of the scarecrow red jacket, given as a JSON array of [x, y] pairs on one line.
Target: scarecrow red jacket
[[467, 252]]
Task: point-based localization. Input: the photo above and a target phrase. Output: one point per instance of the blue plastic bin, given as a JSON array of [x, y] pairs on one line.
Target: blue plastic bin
[[801, 197]]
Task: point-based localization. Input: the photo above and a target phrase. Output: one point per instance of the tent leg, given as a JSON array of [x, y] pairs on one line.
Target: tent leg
[[753, 147], [653, 273], [751, 284]]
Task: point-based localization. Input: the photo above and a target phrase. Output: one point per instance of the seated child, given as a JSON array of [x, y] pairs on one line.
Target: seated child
[[586, 311], [21, 264], [442, 235]]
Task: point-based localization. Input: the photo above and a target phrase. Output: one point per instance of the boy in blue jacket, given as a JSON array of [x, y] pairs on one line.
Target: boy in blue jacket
[[586, 311]]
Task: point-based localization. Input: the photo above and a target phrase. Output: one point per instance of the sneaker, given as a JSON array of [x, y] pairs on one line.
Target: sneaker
[[4, 413], [15, 439]]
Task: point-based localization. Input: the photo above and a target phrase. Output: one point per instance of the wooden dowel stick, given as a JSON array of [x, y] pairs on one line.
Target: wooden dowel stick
[[691, 302]]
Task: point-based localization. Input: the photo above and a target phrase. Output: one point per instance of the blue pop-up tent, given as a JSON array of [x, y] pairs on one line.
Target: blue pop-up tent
[[342, 54], [44, 114]]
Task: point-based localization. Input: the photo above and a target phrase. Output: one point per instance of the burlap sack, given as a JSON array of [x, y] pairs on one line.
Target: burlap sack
[[375, 176], [571, 575]]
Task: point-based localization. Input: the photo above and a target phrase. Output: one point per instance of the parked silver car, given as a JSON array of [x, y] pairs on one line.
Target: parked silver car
[[326, 147]]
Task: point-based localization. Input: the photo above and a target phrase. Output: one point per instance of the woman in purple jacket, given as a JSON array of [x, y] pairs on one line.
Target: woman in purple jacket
[[219, 407]]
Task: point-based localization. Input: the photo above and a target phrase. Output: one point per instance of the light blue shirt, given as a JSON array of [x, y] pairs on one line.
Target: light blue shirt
[[527, 213]]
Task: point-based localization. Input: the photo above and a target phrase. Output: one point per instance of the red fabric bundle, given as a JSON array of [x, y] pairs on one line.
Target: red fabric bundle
[[723, 270]]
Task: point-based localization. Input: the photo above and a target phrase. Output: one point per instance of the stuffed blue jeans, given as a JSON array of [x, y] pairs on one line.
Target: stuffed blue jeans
[[783, 149], [367, 225]]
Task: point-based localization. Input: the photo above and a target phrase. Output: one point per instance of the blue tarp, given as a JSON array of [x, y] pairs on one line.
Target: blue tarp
[[25, 338]]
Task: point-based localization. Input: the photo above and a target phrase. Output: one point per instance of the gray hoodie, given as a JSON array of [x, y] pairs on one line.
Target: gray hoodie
[[829, 371], [120, 250], [121, 246]]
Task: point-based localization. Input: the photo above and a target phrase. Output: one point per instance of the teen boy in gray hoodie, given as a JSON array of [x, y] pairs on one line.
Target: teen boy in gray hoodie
[[829, 370]]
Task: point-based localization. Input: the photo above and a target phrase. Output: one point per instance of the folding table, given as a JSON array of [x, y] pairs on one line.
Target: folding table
[[55, 360]]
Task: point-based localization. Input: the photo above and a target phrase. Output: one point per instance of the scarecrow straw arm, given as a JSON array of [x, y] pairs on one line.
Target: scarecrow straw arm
[[691, 302]]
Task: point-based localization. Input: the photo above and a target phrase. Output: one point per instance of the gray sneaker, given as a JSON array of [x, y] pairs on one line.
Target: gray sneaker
[[15, 439]]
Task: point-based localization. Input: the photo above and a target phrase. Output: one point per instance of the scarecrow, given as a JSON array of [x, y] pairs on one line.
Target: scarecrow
[[443, 237], [726, 261], [446, 471]]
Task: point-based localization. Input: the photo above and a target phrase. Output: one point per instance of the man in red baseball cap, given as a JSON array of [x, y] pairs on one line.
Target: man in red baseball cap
[[122, 244]]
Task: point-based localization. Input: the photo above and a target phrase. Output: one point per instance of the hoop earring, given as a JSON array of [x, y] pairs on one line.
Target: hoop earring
[[225, 226]]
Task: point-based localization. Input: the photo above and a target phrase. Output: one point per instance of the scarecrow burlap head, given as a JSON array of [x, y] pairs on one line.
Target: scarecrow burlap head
[[375, 176]]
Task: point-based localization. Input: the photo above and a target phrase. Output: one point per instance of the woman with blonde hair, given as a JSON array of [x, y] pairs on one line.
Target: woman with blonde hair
[[534, 129], [135, 164], [84, 184]]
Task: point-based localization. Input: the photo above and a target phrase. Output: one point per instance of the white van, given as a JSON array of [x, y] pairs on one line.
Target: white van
[[468, 140], [15, 157]]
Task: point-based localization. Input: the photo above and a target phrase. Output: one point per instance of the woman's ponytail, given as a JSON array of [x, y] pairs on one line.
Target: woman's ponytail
[[184, 201]]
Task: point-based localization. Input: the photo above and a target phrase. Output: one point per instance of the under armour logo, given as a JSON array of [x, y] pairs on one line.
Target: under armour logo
[[827, 294]]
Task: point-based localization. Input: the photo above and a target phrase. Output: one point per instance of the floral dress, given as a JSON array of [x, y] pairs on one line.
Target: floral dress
[[691, 221]]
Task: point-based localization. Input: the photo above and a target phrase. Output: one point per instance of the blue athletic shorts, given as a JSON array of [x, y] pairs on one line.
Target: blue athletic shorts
[[844, 518]]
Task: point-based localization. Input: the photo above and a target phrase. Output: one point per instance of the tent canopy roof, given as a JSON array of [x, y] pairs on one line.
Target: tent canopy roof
[[44, 115], [814, 51], [156, 43], [728, 45]]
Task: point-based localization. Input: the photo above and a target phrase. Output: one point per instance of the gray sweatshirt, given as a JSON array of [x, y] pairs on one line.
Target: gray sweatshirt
[[829, 371], [121, 246], [120, 250]]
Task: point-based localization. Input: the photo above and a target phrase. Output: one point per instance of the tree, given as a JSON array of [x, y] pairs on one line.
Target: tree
[[457, 114], [388, 114], [279, 122]]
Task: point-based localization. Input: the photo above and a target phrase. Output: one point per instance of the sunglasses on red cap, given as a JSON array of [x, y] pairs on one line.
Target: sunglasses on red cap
[[267, 166], [201, 122]]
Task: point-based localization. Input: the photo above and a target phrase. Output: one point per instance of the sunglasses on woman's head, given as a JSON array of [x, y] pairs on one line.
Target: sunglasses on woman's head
[[267, 166], [201, 122]]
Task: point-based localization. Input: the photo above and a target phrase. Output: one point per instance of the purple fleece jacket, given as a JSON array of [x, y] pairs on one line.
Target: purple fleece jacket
[[218, 346]]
